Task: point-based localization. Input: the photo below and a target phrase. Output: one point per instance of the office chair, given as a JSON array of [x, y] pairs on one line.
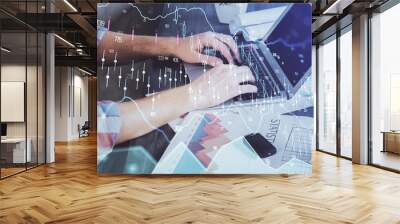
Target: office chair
[[84, 130]]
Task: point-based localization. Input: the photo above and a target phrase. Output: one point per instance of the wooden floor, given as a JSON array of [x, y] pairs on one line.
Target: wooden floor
[[387, 159], [5, 172], [70, 191]]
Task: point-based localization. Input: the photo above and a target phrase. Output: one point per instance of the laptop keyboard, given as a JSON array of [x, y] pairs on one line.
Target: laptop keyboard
[[264, 81]]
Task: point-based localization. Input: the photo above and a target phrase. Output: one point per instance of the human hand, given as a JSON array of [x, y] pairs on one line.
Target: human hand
[[220, 84], [189, 49]]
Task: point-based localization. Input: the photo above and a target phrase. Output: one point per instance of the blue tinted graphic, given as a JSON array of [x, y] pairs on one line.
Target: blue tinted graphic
[[290, 42], [214, 88]]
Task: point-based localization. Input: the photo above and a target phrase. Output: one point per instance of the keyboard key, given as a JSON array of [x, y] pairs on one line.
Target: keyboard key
[[266, 85]]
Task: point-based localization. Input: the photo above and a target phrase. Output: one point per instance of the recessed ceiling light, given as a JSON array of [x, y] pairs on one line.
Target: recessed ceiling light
[[64, 40], [5, 49], [70, 5], [338, 6], [86, 72]]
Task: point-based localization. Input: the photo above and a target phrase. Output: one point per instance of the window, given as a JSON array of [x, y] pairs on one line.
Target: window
[[385, 89], [346, 92], [327, 96]]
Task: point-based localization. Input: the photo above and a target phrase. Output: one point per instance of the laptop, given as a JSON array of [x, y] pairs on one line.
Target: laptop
[[281, 60]]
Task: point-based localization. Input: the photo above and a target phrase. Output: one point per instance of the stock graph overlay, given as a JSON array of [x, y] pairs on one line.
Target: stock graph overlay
[[140, 60]]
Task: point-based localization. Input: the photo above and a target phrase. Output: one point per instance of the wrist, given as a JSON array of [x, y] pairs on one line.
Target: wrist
[[168, 46], [187, 99]]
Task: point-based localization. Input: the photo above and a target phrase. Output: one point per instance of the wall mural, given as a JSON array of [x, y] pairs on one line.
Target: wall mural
[[212, 88]]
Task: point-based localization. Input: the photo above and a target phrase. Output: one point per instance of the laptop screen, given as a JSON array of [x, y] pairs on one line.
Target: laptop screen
[[290, 42]]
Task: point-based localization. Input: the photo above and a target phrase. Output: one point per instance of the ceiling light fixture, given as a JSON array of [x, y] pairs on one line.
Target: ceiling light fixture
[[70, 5], [64, 40], [337, 7], [86, 72], [5, 49]]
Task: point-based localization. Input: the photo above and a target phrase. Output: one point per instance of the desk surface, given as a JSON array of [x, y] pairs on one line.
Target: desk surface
[[391, 132]]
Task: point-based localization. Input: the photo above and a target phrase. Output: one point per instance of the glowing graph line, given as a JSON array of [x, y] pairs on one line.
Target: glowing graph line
[[287, 44], [175, 13]]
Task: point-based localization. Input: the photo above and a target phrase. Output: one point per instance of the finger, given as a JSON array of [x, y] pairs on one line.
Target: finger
[[243, 89], [228, 68], [219, 46], [244, 74], [228, 40], [209, 60], [248, 89]]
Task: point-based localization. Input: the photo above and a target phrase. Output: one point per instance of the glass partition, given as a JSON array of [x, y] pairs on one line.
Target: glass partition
[[22, 77], [13, 95]]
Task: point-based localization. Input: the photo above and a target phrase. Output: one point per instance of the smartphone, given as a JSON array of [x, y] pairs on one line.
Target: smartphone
[[260, 144]]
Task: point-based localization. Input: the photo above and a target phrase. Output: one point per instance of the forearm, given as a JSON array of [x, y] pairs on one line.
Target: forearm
[[142, 116], [127, 46]]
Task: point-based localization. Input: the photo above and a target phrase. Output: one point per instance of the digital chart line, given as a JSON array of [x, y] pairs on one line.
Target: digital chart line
[[174, 13]]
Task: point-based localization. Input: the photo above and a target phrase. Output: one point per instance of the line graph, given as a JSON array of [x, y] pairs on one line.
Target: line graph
[[284, 42], [173, 13]]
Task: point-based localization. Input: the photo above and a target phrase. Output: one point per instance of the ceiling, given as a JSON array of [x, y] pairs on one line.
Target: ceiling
[[76, 23]]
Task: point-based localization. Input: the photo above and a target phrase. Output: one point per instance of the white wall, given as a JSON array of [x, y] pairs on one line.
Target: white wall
[[61, 103], [12, 73], [70, 84], [81, 85], [16, 73], [33, 127]]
